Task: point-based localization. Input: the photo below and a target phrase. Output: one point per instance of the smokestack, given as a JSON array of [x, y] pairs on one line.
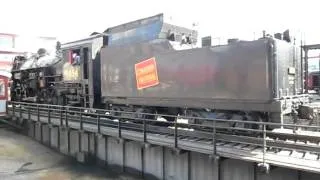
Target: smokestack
[[286, 36], [278, 36]]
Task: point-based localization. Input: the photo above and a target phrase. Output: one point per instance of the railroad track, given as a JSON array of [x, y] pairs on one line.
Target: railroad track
[[285, 138], [288, 149]]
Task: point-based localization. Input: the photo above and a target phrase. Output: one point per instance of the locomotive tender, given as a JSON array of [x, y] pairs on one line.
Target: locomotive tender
[[154, 67]]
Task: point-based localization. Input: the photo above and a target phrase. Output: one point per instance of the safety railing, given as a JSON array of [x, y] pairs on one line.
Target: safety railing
[[219, 130]]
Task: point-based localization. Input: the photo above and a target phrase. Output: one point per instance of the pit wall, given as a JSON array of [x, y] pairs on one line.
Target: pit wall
[[152, 162]]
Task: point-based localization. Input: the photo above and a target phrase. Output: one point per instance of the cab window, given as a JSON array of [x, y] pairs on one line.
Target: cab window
[[74, 57]]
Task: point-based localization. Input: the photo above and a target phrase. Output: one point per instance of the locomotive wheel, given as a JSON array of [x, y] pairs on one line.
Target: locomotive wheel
[[195, 120], [173, 112], [250, 117], [144, 117], [115, 113], [61, 100], [54, 100], [48, 98]]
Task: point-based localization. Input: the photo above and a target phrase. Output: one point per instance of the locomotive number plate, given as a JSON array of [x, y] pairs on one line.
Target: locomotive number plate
[[146, 73]]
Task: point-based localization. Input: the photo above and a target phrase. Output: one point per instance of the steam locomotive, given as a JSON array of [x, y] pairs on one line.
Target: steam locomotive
[[150, 66]]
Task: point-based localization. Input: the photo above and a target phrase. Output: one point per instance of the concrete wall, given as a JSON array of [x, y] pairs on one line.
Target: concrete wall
[[156, 162], [74, 145], [54, 137], [240, 170], [38, 129], [31, 129], [63, 140], [46, 134], [101, 149], [115, 153], [202, 167], [279, 174]]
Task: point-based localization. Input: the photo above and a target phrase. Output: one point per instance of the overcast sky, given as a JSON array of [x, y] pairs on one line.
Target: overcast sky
[[72, 19]]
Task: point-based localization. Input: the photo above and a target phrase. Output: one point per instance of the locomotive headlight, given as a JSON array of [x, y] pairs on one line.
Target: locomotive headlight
[[17, 75], [41, 74]]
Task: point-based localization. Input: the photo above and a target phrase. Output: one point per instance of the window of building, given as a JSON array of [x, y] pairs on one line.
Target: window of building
[[2, 88], [6, 41]]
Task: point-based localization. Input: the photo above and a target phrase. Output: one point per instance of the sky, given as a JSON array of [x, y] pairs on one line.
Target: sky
[[244, 19]]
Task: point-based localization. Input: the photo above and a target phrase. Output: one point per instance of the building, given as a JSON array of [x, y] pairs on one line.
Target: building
[[7, 51], [12, 45]]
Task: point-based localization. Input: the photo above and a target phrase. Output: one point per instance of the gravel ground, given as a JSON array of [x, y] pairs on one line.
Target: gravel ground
[[23, 158]]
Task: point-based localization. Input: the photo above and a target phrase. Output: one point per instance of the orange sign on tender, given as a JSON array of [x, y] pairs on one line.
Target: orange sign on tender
[[146, 73]]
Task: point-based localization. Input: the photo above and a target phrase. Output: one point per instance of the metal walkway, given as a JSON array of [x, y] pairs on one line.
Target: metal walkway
[[284, 149]]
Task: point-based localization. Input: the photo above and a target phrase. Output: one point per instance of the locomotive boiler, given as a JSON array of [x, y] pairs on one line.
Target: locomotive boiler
[[33, 77]]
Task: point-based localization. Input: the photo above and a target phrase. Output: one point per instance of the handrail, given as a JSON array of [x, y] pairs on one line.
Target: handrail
[[63, 109], [182, 117]]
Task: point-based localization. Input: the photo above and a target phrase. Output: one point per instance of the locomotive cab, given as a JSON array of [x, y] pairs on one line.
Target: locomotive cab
[[77, 87]]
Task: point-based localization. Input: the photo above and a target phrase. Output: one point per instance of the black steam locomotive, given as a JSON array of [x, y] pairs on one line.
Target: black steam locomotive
[[153, 67]]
